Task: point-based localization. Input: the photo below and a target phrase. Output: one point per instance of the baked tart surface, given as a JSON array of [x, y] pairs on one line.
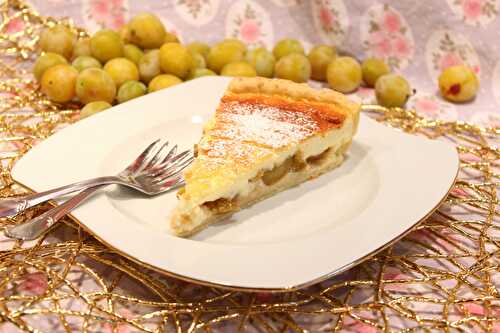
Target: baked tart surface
[[266, 135]]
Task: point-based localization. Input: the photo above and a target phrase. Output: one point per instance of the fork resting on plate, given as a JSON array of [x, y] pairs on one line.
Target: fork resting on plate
[[156, 170]]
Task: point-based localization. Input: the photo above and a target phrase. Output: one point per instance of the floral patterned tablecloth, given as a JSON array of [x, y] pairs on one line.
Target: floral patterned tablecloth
[[418, 39]]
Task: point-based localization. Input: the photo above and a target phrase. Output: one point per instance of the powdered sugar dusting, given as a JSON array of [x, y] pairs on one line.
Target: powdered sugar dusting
[[220, 150], [245, 132], [264, 125]]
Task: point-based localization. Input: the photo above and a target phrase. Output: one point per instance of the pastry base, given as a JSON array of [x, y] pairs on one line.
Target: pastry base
[[262, 191]]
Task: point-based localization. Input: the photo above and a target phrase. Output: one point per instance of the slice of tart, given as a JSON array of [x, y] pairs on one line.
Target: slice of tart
[[266, 135]]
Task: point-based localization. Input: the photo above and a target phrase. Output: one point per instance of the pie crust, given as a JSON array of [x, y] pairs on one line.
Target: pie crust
[[266, 135]]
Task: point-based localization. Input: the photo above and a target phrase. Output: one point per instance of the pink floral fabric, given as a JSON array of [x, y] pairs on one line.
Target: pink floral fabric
[[105, 14], [386, 35], [330, 20], [15, 25], [33, 284], [250, 22], [475, 12], [417, 38]]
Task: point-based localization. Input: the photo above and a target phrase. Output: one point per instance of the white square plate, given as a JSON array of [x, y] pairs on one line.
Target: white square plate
[[293, 239]]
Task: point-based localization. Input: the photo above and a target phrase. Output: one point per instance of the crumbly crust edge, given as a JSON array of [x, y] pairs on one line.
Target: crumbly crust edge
[[297, 91], [278, 187]]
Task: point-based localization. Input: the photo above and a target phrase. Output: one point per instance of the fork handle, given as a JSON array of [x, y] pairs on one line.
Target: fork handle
[[39, 225], [16, 205]]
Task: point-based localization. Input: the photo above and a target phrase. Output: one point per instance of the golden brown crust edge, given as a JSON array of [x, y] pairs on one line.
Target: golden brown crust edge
[[276, 188], [298, 91]]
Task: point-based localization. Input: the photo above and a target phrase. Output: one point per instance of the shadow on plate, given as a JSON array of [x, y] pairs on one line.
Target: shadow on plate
[[354, 159]]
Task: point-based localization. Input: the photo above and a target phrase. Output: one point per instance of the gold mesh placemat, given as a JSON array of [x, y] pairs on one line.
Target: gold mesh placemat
[[444, 276]]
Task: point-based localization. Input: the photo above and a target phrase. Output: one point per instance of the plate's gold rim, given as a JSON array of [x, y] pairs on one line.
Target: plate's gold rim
[[249, 289]]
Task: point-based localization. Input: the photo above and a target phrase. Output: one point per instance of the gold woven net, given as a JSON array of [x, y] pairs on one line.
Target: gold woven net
[[444, 276]]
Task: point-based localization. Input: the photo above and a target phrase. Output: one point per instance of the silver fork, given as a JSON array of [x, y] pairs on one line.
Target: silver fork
[[156, 156], [153, 172]]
